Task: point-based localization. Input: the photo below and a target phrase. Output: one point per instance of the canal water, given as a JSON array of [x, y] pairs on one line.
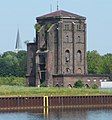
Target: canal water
[[59, 114]]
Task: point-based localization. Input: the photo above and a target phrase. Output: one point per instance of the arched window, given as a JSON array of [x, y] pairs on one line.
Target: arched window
[[69, 86], [67, 70], [79, 71], [57, 85], [67, 55], [86, 86], [79, 39], [79, 56], [67, 38]]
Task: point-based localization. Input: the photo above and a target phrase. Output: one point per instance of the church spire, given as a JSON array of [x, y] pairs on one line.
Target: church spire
[[18, 46], [57, 5]]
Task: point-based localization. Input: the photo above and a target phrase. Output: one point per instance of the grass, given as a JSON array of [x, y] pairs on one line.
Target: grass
[[34, 91]]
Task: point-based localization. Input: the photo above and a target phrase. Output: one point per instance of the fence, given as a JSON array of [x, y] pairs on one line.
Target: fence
[[9, 103]]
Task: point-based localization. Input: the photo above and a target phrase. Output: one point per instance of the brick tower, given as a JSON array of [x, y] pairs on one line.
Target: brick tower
[[59, 50]]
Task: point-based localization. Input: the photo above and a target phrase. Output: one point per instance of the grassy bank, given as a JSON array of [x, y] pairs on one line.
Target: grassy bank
[[34, 91]]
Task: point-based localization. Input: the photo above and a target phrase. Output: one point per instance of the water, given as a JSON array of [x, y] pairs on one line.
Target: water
[[59, 114]]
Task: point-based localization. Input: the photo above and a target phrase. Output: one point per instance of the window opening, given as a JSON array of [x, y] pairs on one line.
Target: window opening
[[67, 56], [79, 56], [67, 38], [79, 39]]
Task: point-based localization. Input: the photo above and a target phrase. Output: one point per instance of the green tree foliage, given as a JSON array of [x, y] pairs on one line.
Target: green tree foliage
[[98, 64], [22, 59], [79, 84], [94, 86], [94, 62], [107, 63], [13, 64], [18, 81]]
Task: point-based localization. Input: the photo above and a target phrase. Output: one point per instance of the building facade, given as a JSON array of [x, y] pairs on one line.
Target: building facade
[[58, 56]]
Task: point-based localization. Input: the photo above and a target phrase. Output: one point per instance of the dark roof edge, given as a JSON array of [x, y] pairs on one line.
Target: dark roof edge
[[55, 15], [86, 75], [31, 43]]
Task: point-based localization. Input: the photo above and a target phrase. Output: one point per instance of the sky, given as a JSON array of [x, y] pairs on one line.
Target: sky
[[22, 14]]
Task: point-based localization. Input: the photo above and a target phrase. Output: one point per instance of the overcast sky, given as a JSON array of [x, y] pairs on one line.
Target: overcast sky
[[22, 14]]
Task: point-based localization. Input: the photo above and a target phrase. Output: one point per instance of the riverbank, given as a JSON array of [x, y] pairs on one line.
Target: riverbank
[[47, 102], [34, 91]]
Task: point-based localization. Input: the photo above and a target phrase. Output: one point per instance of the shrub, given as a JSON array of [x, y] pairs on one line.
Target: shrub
[[79, 84], [94, 86], [37, 27], [43, 84]]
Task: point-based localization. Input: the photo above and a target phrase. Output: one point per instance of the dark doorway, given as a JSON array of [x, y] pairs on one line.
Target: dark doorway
[[42, 65]]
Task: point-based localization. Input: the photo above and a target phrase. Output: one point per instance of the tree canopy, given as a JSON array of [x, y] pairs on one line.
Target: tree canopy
[[99, 64], [13, 64]]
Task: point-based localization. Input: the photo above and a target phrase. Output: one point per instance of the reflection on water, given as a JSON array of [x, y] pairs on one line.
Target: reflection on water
[[59, 114]]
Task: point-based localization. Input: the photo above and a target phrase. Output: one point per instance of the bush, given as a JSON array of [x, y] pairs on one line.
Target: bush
[[79, 84], [19, 81], [43, 84], [37, 27], [94, 86]]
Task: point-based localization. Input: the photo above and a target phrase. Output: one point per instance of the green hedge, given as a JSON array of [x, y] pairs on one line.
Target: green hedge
[[19, 81], [79, 84]]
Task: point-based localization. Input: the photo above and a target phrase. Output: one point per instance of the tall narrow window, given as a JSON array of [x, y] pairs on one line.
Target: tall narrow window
[[67, 55], [67, 27], [80, 26], [79, 56], [79, 39], [67, 38], [77, 27]]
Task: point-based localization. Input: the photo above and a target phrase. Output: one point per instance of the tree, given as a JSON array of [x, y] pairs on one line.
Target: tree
[[13, 64], [8, 64], [79, 84], [94, 61], [107, 63], [8, 53], [22, 59]]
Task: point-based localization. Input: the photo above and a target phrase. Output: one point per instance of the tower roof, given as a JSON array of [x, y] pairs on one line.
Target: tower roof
[[61, 14]]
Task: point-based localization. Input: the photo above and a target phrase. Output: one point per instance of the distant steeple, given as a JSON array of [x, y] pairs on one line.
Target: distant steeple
[[50, 7], [18, 46], [57, 5]]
